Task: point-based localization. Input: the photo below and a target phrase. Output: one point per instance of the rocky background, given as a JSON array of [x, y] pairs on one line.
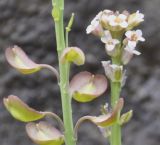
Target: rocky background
[[28, 23]]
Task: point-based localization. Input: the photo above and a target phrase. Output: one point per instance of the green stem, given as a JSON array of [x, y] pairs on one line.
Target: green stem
[[116, 128], [115, 94], [64, 73]]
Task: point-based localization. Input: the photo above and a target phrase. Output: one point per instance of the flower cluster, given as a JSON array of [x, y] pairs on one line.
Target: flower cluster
[[115, 30]]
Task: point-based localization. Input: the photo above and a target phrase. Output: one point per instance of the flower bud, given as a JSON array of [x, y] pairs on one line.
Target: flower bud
[[74, 55], [20, 110], [85, 87], [126, 117], [134, 20], [44, 134], [95, 26], [128, 54], [113, 72]]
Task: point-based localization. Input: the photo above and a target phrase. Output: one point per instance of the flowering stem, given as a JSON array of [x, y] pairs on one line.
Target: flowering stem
[[116, 129], [115, 94], [58, 7]]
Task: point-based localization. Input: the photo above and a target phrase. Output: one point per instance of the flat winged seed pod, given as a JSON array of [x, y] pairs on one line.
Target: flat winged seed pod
[[20, 110], [19, 60], [74, 55], [85, 87], [44, 133], [105, 120], [110, 118]]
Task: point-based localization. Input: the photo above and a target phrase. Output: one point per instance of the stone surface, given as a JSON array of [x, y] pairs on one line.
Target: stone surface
[[29, 25]]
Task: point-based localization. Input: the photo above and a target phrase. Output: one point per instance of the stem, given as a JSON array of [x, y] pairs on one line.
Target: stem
[[115, 94], [64, 73], [55, 116]]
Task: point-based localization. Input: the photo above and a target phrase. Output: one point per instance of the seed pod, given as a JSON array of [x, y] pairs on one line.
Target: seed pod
[[74, 55], [19, 60], [44, 134], [20, 110], [110, 118], [85, 87]]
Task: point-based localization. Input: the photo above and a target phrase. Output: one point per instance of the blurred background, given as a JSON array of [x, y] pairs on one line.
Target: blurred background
[[28, 23]]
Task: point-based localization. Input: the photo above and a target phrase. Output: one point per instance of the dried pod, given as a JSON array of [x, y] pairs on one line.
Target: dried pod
[[74, 55], [19, 60], [20, 110], [44, 134], [85, 87]]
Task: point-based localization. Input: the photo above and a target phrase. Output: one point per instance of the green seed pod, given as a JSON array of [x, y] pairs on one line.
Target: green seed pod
[[44, 134], [74, 55], [17, 58], [110, 118], [85, 87], [21, 111]]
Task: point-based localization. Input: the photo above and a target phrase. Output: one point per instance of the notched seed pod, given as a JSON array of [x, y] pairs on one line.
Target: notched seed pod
[[74, 55], [110, 118], [19, 60], [21, 111], [103, 121], [85, 87], [44, 134]]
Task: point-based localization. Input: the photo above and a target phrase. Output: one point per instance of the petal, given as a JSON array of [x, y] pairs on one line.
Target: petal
[[124, 24], [139, 33], [110, 47], [132, 44], [136, 52], [122, 16], [128, 34]]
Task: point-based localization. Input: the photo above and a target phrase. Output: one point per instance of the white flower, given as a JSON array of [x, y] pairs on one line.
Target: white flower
[[95, 24], [109, 42], [132, 50], [128, 54], [113, 72], [136, 18], [118, 20], [133, 37]]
